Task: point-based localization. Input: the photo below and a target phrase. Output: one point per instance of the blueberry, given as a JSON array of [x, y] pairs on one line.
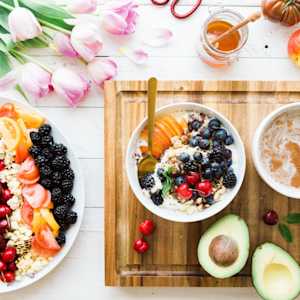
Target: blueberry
[[206, 133], [229, 162], [198, 156], [216, 144], [230, 170], [208, 174], [227, 153], [179, 180], [184, 157], [195, 195], [160, 173], [210, 199], [205, 163], [196, 124], [220, 135], [214, 124], [217, 170], [194, 141], [204, 144], [229, 140], [223, 165]]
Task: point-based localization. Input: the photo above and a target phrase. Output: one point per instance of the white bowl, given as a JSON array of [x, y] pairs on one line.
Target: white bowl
[[239, 166], [256, 155], [78, 193]]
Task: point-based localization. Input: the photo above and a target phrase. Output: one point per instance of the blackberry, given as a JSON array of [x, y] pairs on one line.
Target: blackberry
[[56, 196], [147, 181], [47, 153], [34, 151], [60, 162], [60, 213], [56, 178], [35, 137], [45, 130], [61, 238], [68, 174], [46, 141], [229, 180], [59, 149], [216, 154], [195, 195], [191, 166], [66, 185], [45, 171], [71, 217], [41, 161], [227, 153], [68, 199], [157, 198], [46, 183]]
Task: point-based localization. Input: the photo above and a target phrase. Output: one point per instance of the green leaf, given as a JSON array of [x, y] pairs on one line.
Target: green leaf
[[293, 218], [168, 183], [3, 30], [4, 64], [34, 43], [285, 232], [3, 18]]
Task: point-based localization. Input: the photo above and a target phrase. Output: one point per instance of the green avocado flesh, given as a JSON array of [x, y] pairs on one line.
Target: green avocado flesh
[[275, 274], [223, 249]]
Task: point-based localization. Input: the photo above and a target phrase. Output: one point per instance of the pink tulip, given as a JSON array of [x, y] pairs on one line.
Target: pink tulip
[[102, 69], [120, 17], [35, 80], [70, 85], [8, 80], [63, 45], [86, 40], [83, 6], [23, 25]]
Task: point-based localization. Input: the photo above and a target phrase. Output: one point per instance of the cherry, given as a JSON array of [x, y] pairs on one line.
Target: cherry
[[9, 254], [3, 225], [204, 187], [192, 178], [2, 165], [9, 276], [270, 217], [141, 246], [6, 195], [4, 211], [147, 227], [2, 243], [3, 266], [184, 192], [12, 266]]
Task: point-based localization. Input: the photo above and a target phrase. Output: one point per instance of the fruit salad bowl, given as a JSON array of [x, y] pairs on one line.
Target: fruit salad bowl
[[208, 160], [46, 215]]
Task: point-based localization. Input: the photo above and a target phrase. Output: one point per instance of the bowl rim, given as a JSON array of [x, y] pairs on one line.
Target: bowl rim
[[206, 213], [72, 236], [263, 173]]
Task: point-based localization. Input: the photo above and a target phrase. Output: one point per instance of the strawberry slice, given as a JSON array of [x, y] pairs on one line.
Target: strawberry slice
[[35, 194], [27, 213]]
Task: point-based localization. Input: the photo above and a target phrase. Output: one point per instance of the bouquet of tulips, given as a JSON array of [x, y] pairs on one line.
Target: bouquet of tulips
[[26, 24]]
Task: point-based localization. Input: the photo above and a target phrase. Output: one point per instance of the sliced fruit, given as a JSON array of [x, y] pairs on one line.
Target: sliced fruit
[[167, 127], [46, 239], [48, 203], [8, 110], [157, 149], [40, 251], [25, 134], [37, 221], [173, 124], [27, 213], [275, 273], [28, 172], [21, 152], [10, 132], [183, 124], [31, 119], [35, 195], [223, 249], [164, 129], [48, 217]]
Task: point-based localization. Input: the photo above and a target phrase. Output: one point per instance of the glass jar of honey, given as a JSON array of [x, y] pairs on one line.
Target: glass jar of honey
[[224, 52]]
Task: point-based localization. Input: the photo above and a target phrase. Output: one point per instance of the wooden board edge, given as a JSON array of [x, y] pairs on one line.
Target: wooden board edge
[[110, 103], [211, 85]]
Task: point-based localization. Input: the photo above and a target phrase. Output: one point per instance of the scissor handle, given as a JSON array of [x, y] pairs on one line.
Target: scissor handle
[[160, 2], [184, 15]]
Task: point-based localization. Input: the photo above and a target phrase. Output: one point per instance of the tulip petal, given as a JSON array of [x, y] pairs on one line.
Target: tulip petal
[[82, 6], [158, 37], [63, 45], [114, 23], [8, 80], [138, 56]]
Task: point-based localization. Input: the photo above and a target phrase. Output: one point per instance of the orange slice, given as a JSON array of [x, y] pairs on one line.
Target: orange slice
[[10, 132], [31, 119], [25, 133], [173, 124], [48, 217]]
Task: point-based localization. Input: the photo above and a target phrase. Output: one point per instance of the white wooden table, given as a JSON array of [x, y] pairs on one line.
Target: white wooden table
[[81, 274]]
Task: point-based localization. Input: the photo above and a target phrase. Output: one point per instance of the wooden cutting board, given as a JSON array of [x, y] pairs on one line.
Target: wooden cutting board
[[172, 259]]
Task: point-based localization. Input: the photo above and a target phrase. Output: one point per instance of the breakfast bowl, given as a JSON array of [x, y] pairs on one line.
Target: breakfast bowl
[[276, 150], [201, 163]]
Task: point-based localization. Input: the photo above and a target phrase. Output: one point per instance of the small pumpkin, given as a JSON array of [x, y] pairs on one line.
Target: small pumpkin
[[287, 12]]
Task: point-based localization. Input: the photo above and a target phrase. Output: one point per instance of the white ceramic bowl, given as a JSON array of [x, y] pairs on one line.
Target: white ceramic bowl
[[239, 166], [78, 193], [256, 155]]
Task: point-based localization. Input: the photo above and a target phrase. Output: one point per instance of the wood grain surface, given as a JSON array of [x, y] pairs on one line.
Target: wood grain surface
[[172, 259]]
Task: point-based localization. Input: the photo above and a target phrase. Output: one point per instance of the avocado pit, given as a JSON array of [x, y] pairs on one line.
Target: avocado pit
[[223, 250]]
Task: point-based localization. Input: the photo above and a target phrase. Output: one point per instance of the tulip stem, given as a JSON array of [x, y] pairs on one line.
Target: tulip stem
[[54, 27], [16, 3], [7, 6]]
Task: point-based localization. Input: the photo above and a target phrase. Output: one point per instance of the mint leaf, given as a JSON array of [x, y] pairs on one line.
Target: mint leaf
[[168, 183], [293, 218], [285, 232]]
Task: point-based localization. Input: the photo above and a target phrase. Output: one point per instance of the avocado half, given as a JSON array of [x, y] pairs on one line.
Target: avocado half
[[223, 249], [275, 273]]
